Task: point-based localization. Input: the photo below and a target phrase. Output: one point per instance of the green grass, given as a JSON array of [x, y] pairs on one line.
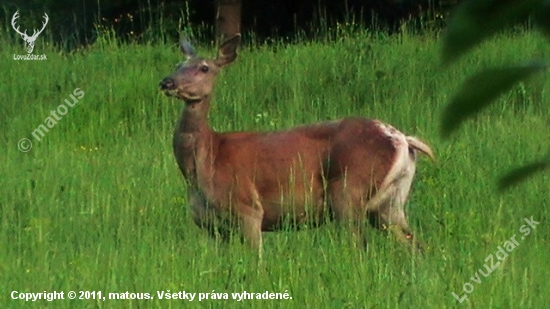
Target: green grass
[[99, 204]]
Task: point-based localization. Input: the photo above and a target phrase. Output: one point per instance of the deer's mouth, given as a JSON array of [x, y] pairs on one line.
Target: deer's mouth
[[171, 92], [182, 95], [168, 86]]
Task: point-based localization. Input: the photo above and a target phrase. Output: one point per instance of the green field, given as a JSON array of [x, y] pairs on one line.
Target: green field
[[98, 204]]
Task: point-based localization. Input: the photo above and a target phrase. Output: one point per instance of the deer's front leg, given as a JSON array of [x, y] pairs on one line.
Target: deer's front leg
[[251, 227], [207, 217]]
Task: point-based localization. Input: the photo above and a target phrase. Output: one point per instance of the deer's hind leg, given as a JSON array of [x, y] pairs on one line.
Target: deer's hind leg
[[387, 210]]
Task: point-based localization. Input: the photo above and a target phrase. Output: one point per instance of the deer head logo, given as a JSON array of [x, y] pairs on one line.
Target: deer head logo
[[29, 40]]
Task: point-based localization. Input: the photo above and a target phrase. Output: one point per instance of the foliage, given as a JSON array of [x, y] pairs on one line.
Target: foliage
[[75, 23], [472, 22]]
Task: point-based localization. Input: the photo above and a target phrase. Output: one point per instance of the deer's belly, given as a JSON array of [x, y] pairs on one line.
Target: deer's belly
[[294, 215]]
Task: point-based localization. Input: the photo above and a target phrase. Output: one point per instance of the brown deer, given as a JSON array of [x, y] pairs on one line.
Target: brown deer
[[348, 170]]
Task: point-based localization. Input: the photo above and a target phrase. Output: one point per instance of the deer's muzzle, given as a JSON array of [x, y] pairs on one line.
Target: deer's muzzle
[[167, 84]]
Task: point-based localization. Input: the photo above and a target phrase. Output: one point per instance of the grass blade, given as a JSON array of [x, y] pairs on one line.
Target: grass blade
[[475, 20], [481, 89]]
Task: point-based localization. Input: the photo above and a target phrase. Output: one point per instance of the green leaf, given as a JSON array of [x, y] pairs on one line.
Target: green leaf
[[522, 173], [481, 89], [475, 20]]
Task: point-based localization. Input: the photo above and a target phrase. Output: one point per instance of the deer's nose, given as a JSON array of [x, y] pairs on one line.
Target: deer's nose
[[167, 84]]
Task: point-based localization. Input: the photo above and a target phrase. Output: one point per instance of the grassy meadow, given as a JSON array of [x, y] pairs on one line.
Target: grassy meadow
[[98, 204]]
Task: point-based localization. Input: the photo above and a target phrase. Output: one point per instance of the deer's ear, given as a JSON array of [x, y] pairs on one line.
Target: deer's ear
[[228, 51], [187, 50]]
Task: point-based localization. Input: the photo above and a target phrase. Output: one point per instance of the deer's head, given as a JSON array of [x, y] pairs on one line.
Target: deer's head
[[29, 40], [193, 80]]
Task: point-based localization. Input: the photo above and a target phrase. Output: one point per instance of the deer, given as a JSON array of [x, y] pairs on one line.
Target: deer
[[29, 40], [349, 170]]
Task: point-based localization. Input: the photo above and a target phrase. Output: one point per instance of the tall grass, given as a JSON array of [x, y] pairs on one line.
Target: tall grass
[[99, 205]]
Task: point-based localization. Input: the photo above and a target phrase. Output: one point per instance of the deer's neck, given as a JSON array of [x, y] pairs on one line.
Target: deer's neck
[[193, 121], [194, 140]]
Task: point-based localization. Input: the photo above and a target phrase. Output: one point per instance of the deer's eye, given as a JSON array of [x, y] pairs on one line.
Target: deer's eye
[[204, 69]]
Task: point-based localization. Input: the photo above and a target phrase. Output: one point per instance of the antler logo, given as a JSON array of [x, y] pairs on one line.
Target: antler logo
[[29, 40]]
